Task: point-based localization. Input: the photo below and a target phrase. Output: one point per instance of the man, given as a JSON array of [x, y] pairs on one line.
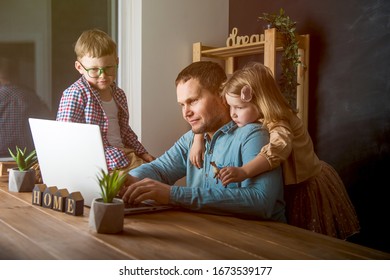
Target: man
[[198, 87], [17, 104]]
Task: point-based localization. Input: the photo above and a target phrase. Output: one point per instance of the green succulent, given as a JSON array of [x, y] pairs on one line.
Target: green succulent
[[24, 161], [110, 184]]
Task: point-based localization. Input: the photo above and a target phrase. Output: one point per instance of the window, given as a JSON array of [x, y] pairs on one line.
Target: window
[[42, 52], [38, 38]]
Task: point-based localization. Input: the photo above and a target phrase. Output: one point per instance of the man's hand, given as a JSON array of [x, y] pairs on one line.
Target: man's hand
[[129, 180], [147, 189]]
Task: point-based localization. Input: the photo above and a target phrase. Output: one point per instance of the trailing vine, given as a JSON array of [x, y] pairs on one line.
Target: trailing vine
[[290, 57]]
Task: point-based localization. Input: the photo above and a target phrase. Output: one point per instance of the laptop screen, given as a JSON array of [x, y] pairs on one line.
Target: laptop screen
[[70, 155]]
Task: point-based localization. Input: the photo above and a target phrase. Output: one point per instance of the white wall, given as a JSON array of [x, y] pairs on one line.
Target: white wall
[[157, 38]]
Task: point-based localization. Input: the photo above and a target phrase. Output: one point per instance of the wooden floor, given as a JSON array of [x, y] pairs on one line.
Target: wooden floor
[[32, 232]]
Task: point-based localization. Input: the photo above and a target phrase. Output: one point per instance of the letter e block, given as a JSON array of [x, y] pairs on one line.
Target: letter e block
[[37, 194], [47, 199], [74, 204], [59, 200]]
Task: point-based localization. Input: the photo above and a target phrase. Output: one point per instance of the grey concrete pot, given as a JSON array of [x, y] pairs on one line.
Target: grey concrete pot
[[106, 217], [21, 181]]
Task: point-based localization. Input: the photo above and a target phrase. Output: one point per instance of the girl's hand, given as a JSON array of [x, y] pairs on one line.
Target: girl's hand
[[232, 174], [196, 158], [197, 151]]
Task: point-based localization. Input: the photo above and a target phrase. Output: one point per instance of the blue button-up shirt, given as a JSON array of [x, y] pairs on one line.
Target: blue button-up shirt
[[260, 197]]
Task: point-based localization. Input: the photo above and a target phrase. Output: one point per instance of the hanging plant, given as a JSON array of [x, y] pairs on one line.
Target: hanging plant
[[290, 57]]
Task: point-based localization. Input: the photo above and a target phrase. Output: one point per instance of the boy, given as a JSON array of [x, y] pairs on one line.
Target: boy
[[96, 99]]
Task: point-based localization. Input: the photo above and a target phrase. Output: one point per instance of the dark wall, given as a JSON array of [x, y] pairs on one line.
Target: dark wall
[[69, 19], [349, 96]]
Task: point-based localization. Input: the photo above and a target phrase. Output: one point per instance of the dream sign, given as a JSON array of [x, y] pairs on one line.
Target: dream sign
[[235, 40]]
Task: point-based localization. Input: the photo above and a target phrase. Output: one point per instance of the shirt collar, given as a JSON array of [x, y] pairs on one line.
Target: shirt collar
[[228, 127], [224, 129]]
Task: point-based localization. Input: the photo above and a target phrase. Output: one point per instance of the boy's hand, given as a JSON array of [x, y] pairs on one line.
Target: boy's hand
[[147, 157]]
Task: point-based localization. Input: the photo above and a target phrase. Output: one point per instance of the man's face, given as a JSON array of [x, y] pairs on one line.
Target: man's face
[[204, 111]]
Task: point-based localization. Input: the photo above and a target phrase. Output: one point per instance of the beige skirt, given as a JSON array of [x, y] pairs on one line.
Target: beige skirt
[[321, 204]]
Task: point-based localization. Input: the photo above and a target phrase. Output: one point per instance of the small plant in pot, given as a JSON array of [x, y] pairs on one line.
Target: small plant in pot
[[107, 212], [22, 178]]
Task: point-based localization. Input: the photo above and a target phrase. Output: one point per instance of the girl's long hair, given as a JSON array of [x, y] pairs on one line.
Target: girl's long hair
[[266, 95]]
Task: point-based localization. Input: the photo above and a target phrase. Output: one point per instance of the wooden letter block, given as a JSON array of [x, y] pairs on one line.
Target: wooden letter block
[[37, 194], [47, 199], [59, 200], [74, 204]]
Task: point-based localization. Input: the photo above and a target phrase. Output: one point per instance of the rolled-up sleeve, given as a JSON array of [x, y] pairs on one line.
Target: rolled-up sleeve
[[280, 145]]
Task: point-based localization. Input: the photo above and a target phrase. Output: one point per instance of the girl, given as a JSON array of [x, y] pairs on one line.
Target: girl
[[315, 196]]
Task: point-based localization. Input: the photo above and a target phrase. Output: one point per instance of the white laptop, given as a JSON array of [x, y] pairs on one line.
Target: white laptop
[[70, 156]]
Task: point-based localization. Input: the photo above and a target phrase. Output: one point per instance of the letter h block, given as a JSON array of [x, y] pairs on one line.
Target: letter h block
[[37, 194]]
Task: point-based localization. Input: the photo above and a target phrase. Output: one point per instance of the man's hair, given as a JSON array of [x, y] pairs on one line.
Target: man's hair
[[209, 74], [95, 43]]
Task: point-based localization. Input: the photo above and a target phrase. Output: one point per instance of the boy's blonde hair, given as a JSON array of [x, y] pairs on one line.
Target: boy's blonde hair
[[265, 93], [95, 43]]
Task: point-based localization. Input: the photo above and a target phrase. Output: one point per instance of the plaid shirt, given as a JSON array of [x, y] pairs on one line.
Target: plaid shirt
[[14, 129], [81, 103]]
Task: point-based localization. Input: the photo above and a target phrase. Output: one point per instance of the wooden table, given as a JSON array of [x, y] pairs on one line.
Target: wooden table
[[32, 232]]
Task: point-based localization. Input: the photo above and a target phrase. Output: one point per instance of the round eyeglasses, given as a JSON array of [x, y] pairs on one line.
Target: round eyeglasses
[[95, 72]]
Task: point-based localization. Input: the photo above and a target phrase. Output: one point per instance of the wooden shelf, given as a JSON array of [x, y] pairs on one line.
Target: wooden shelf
[[268, 47], [226, 52]]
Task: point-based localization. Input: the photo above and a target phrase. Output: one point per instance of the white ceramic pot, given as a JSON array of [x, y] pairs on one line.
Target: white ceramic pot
[[21, 181], [106, 217]]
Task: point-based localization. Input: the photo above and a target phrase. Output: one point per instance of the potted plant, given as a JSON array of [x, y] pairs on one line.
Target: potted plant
[[107, 212], [22, 177], [290, 57]]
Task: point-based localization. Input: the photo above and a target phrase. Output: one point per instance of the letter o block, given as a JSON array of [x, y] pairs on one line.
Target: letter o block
[[47, 198]]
